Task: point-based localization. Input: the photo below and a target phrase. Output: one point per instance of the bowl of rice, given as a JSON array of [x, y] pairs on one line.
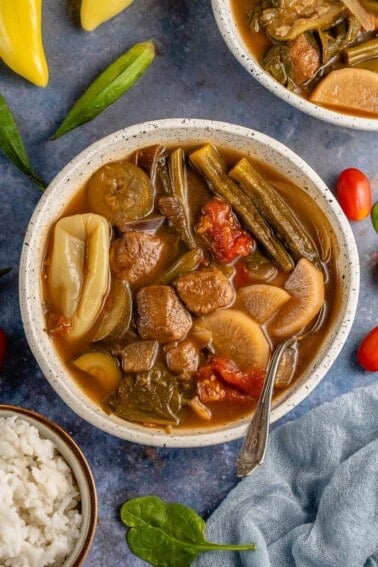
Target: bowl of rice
[[48, 500]]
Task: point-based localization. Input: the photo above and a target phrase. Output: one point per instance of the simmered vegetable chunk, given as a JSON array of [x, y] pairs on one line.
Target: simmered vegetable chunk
[[205, 290]]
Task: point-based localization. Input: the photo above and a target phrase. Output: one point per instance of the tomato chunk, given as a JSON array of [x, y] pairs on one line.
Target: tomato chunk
[[367, 353], [221, 374], [222, 232]]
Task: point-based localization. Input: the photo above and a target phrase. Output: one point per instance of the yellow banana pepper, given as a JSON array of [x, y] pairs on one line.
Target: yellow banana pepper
[[95, 12], [21, 46]]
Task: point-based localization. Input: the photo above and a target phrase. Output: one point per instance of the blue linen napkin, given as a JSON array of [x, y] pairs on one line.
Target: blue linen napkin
[[314, 501]]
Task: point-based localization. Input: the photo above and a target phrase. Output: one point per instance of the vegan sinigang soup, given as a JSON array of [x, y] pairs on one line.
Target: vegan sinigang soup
[[173, 274], [323, 50]]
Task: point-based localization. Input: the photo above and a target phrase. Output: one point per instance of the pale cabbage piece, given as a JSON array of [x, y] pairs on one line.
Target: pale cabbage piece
[[78, 271]]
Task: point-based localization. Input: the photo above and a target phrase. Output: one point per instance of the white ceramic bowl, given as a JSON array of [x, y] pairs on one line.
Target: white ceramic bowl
[[75, 459], [233, 38], [114, 147]]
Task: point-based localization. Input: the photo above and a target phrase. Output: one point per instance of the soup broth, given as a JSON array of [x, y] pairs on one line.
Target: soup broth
[[168, 282]]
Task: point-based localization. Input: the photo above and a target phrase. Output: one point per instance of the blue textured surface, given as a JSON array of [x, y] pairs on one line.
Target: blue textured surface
[[194, 75]]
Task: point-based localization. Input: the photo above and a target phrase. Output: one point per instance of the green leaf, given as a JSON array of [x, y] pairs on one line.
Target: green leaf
[[4, 271], [168, 535], [108, 87], [12, 145], [374, 216]]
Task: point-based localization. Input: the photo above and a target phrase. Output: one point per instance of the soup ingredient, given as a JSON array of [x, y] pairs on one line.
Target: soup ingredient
[[120, 192], [12, 145], [205, 290], [185, 263], [102, 366], [222, 232], [3, 347], [275, 211], [249, 381], [168, 535], [94, 13], [78, 272], [361, 52], [262, 300], [21, 45], [151, 397], [367, 353], [370, 5], [237, 337], [334, 90], [364, 17], [306, 287], [139, 356], [182, 358], [116, 313], [136, 255], [374, 216], [353, 192], [109, 86], [176, 207], [40, 500], [211, 166], [160, 314]]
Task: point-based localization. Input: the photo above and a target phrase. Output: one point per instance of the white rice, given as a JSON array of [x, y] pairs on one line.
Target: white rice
[[39, 517]]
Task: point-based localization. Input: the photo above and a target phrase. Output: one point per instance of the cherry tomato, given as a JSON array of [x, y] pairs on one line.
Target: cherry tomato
[[353, 192], [3, 347], [367, 353]]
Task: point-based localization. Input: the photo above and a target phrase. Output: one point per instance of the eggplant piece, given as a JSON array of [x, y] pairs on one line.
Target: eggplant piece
[[211, 166], [116, 314], [151, 397], [274, 210], [78, 271]]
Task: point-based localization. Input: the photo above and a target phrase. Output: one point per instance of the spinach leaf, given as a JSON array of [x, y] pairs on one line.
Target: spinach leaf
[[168, 535], [12, 145]]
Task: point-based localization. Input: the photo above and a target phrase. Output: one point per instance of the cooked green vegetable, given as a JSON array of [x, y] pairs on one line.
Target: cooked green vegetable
[[116, 314], [109, 86], [4, 271], [168, 535], [175, 206], [211, 166], [274, 210], [12, 145], [186, 263], [150, 397], [374, 216], [120, 192], [338, 37], [361, 52], [102, 366]]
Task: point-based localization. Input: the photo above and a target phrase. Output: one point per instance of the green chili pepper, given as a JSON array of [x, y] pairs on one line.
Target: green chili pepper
[[118, 78], [374, 216], [12, 145]]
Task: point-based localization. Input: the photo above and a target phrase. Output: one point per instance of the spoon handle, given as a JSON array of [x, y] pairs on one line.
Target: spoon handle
[[253, 450]]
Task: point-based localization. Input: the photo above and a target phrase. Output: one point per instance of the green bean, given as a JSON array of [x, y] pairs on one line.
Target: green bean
[[274, 210], [109, 86], [361, 52], [210, 165], [186, 263], [12, 145]]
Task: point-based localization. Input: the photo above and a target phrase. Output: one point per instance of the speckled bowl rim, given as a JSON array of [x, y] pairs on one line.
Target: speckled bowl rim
[[79, 466], [116, 146], [234, 41]]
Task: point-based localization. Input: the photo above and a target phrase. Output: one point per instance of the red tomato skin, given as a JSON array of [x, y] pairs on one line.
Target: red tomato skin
[[367, 353], [3, 347], [353, 192]]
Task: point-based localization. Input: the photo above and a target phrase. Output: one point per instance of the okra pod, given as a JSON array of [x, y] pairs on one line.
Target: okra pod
[[211, 166], [274, 210], [12, 145], [186, 263], [118, 78], [361, 52]]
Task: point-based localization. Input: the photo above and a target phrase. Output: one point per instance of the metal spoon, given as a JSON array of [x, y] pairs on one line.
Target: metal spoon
[[253, 449]]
